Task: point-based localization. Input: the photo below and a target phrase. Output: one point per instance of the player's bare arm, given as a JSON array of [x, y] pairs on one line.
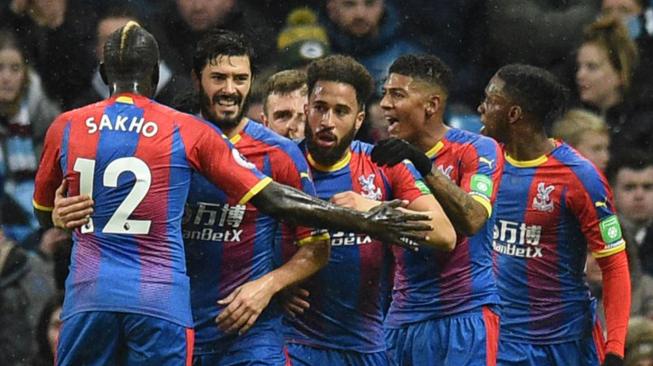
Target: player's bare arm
[[467, 215], [443, 236], [247, 302], [68, 212], [384, 222]]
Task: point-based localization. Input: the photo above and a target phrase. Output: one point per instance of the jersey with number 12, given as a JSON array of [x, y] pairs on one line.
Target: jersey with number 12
[[134, 157]]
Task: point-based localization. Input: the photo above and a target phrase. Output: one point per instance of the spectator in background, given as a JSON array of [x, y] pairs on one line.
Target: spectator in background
[[170, 80], [605, 62], [639, 343], [185, 21], [285, 97], [631, 176], [24, 289], [15, 337], [587, 133], [640, 26], [25, 114], [302, 40], [58, 37], [47, 331], [370, 31]]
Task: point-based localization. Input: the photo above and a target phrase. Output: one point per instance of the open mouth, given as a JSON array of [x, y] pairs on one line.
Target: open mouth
[[227, 102], [393, 125], [326, 139]]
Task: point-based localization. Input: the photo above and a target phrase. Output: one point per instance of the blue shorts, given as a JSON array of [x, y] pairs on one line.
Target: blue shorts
[[112, 338], [584, 352], [467, 339], [259, 355], [260, 346], [256, 356], [302, 355]]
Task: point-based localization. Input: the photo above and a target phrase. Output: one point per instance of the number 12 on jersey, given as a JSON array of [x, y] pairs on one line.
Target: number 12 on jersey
[[119, 223]]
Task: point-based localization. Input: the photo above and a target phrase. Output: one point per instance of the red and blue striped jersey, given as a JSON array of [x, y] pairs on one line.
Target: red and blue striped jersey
[[549, 211], [135, 158], [430, 284], [347, 296], [229, 244]]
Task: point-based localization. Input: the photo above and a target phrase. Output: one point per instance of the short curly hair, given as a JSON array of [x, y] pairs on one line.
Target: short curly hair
[[342, 69]]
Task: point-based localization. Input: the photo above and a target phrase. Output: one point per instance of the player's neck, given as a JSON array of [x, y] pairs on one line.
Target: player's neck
[[118, 87], [230, 132], [431, 135], [529, 145]]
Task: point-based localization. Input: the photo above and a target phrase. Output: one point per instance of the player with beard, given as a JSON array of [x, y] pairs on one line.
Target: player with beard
[[344, 323], [229, 243], [552, 206], [443, 304], [233, 278]]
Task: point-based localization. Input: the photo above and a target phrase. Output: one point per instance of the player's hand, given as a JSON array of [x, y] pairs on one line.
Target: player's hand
[[391, 225], [354, 201], [393, 151], [244, 305], [295, 301], [613, 360], [70, 212]]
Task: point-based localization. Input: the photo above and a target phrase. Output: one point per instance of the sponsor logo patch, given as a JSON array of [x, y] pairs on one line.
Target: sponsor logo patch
[[610, 230]]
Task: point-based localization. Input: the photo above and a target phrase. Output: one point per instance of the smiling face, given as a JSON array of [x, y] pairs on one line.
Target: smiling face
[[333, 118], [597, 80], [285, 113], [224, 87]]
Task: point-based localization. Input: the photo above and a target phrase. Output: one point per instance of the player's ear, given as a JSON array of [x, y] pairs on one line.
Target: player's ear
[[103, 74], [514, 113], [433, 104], [360, 118]]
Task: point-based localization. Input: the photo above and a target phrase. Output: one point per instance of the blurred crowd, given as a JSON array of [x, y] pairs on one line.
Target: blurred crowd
[[49, 53]]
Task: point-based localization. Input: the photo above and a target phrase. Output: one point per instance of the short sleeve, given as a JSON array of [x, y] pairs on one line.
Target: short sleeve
[[480, 171], [49, 174], [212, 155], [593, 205]]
